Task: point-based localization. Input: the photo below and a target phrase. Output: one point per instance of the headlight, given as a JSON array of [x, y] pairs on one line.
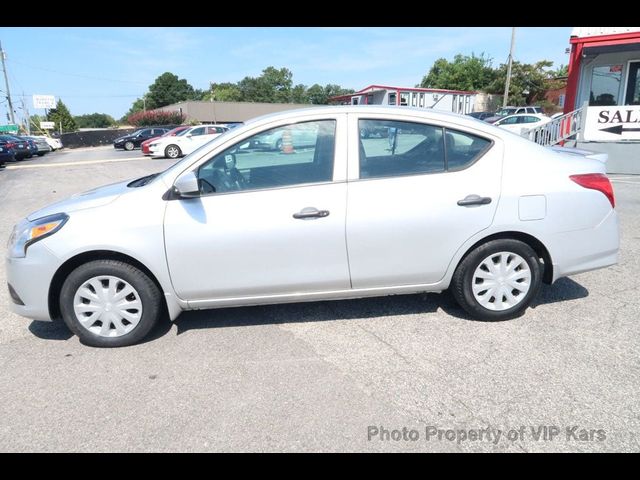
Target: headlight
[[153, 145], [26, 233]]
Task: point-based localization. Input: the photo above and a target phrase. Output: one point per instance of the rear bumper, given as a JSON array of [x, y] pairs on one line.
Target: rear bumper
[[30, 279], [584, 250]]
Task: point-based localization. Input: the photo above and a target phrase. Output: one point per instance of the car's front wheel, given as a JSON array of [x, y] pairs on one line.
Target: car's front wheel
[[129, 146], [497, 280], [109, 303], [172, 151]]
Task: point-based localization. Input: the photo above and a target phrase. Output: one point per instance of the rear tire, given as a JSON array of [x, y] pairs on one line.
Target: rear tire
[[498, 280], [109, 303]]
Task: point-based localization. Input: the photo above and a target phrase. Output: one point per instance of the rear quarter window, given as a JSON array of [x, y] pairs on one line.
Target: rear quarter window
[[463, 149]]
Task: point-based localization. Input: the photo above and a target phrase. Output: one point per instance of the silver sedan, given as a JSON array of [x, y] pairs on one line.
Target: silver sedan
[[440, 202]]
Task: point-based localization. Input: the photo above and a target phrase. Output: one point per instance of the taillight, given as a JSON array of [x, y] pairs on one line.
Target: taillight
[[11, 145], [596, 181]]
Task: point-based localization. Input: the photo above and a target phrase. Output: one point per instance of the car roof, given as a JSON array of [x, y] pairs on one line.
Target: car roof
[[423, 113]]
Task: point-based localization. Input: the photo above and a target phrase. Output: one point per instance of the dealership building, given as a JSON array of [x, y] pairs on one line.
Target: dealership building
[[604, 82]]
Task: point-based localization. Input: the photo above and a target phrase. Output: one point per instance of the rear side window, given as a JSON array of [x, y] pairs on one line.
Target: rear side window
[[462, 148], [392, 149]]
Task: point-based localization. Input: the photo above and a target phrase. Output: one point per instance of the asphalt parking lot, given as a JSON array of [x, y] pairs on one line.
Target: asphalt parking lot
[[327, 376]]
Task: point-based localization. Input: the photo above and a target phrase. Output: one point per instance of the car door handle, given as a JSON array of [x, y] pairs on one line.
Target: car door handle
[[470, 200], [310, 212]]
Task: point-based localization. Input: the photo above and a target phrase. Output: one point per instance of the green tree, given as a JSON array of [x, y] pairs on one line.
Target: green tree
[[94, 120], [272, 86], [561, 71], [223, 92], [168, 89], [61, 116], [463, 73], [319, 95], [529, 82]]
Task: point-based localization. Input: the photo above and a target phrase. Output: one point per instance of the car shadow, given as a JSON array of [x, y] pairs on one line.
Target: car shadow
[[55, 330], [563, 290]]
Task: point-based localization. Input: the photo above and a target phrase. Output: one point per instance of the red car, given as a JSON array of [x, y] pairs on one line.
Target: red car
[[144, 146]]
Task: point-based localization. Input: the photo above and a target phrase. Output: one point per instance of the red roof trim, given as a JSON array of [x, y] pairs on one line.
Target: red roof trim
[[611, 39], [413, 89]]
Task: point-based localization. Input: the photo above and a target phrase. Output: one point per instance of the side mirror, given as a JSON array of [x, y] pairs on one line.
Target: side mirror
[[186, 185], [188, 135]]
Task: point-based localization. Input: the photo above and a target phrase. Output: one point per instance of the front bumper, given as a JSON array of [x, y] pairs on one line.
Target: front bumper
[[30, 278]]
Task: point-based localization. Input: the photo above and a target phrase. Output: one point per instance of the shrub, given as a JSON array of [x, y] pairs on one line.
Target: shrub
[[155, 117]]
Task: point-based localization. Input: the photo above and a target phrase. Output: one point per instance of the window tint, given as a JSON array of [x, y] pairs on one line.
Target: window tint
[[197, 131], [290, 155], [605, 85], [529, 119], [463, 148], [391, 148]]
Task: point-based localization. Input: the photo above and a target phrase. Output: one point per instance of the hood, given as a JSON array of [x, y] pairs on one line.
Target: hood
[[93, 198]]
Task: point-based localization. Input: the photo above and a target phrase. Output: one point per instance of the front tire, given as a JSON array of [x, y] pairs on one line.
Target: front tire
[[172, 151], [498, 280], [128, 146], [109, 303]]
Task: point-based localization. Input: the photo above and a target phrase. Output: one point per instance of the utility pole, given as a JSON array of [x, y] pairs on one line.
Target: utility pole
[[506, 85], [26, 113], [6, 82]]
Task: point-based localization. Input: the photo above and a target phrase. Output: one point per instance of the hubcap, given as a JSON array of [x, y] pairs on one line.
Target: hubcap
[[501, 281], [107, 306], [173, 152]]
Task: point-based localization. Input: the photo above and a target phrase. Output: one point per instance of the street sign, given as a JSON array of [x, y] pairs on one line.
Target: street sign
[[11, 128], [44, 101], [47, 125], [612, 123]]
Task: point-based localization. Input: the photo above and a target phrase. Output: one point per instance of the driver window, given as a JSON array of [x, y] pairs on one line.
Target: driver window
[[295, 154]]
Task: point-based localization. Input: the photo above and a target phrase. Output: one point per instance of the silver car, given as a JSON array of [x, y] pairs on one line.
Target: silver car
[[442, 202]]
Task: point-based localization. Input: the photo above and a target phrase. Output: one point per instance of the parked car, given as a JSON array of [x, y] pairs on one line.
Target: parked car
[[133, 140], [144, 146], [481, 115], [458, 204], [19, 146], [517, 123], [42, 146], [300, 137], [506, 111], [6, 155], [186, 141], [33, 148]]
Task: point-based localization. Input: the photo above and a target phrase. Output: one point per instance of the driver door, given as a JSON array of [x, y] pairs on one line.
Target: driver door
[[267, 224]]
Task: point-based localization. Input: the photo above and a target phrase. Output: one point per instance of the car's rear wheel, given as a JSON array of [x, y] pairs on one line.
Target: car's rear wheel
[[172, 151], [129, 146], [498, 280], [109, 303]]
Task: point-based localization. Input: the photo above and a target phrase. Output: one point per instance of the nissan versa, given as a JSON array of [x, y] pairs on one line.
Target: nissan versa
[[442, 202]]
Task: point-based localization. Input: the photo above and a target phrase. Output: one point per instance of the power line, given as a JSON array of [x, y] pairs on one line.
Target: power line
[[75, 74]]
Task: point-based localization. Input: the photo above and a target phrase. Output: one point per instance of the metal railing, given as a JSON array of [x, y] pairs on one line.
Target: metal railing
[[558, 129]]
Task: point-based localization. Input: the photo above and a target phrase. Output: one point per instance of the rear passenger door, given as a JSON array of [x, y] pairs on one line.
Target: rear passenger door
[[404, 223]]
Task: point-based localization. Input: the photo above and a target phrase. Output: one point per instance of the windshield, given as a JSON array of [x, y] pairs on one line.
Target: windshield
[[183, 132]]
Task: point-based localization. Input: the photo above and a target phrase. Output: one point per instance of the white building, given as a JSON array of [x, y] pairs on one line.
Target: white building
[[456, 101]]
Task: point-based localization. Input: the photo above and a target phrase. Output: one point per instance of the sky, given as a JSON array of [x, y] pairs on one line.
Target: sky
[[104, 69]]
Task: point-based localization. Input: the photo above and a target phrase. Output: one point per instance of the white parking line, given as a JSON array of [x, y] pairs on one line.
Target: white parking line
[[69, 164]]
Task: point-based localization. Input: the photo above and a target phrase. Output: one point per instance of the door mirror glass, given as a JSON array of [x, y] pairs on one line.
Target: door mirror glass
[[186, 185]]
